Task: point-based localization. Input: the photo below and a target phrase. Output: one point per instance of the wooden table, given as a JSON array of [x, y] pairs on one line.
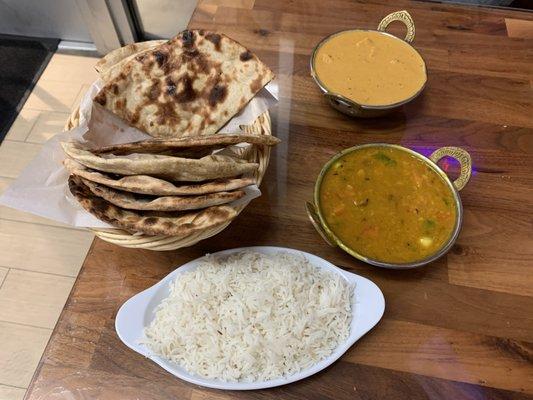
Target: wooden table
[[460, 328]]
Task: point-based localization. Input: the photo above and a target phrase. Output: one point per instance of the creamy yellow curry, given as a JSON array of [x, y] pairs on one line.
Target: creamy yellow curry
[[370, 68], [387, 205]]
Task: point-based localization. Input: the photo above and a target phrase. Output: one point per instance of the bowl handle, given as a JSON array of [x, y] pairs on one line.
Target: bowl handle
[[315, 220], [402, 16], [460, 155], [340, 101]]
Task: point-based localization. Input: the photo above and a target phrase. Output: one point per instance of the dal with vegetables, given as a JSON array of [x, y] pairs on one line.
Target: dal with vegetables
[[387, 205]]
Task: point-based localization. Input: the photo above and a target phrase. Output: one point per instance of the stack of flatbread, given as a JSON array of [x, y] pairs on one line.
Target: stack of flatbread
[[175, 193], [181, 92]]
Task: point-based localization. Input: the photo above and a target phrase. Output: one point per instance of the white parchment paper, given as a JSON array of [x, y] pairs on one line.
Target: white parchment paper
[[42, 188]]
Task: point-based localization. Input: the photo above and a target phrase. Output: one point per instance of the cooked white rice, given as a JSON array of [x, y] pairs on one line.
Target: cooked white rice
[[251, 317]]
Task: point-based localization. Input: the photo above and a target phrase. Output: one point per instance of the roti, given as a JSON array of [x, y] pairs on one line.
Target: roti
[[189, 86], [144, 184], [165, 203], [187, 145], [160, 166], [149, 222]]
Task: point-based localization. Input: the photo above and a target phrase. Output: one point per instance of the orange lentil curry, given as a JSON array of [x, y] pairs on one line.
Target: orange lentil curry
[[387, 205]]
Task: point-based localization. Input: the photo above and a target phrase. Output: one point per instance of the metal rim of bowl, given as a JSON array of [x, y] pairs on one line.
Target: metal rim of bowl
[[324, 89], [418, 263]]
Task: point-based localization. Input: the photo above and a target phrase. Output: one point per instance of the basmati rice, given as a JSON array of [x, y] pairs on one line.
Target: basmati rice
[[251, 317]]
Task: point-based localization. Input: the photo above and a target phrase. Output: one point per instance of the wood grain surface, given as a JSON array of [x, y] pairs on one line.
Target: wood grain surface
[[460, 328]]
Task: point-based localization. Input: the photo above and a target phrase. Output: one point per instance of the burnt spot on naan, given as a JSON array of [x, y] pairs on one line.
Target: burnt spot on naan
[[114, 88], [245, 56], [198, 63], [256, 84], [100, 206], [166, 114], [161, 57], [155, 90], [217, 94], [88, 200], [120, 104], [133, 116], [188, 38], [73, 185], [202, 65], [171, 86], [215, 39], [150, 221], [187, 92], [101, 98], [189, 54]]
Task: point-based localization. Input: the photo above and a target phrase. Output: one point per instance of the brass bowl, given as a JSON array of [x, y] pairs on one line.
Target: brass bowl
[[320, 224], [350, 107]]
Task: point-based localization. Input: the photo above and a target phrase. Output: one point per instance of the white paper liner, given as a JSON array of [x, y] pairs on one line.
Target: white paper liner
[[42, 187]]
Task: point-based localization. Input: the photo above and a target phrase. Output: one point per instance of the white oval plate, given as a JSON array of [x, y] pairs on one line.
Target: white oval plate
[[368, 305]]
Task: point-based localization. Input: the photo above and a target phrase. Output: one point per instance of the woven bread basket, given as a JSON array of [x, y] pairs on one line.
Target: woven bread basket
[[253, 153]]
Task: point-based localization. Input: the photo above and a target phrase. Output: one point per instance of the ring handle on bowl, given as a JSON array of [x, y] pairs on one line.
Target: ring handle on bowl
[[402, 16], [460, 155], [315, 220], [340, 101]]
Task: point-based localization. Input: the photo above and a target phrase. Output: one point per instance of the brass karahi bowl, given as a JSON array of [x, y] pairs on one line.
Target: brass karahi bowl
[[350, 107], [319, 222]]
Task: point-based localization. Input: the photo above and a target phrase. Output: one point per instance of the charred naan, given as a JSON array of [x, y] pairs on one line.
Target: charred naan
[[191, 85], [133, 201], [150, 222]]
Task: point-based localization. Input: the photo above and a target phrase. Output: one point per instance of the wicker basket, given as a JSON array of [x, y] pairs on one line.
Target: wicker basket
[[256, 154]]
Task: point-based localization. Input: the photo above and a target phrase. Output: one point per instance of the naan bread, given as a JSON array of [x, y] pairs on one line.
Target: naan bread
[[133, 201], [191, 85], [149, 222], [145, 184], [176, 146], [173, 168], [118, 55]]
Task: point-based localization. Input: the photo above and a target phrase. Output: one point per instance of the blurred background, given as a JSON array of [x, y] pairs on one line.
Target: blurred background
[[104, 25], [95, 24]]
